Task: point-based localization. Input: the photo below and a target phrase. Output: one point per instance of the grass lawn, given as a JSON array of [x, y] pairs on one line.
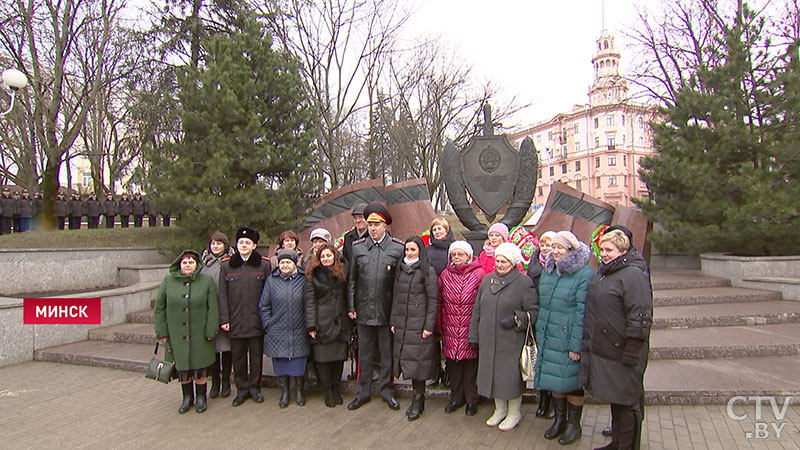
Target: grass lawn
[[85, 238]]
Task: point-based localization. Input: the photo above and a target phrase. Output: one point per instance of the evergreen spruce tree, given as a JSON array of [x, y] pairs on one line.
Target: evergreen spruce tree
[[246, 156], [724, 177]]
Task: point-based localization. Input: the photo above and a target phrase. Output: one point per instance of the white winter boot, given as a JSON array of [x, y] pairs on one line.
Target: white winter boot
[[514, 415], [500, 411]]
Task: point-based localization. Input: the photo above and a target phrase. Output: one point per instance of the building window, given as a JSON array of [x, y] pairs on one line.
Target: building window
[[623, 120], [641, 122], [540, 173], [625, 160], [641, 140], [623, 140], [612, 180], [549, 135], [564, 168], [564, 151], [552, 171], [625, 180], [596, 162], [538, 138], [575, 128], [642, 183], [596, 122], [563, 135], [541, 191], [611, 143], [577, 166], [86, 179], [612, 160], [597, 142], [598, 182], [577, 146], [578, 185], [610, 121]]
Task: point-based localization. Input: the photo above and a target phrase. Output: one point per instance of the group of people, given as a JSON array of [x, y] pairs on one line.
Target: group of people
[[412, 304], [71, 211], [18, 210]]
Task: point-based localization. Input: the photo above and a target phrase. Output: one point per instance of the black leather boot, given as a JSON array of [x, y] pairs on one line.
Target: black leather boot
[[201, 405], [283, 382], [560, 407], [227, 365], [299, 391], [544, 403], [188, 397], [573, 429], [337, 395], [213, 372], [417, 406]]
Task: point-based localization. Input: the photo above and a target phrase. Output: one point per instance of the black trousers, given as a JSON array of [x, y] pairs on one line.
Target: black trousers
[[246, 350], [374, 344], [92, 221], [60, 220], [123, 220], [626, 426], [137, 221], [109, 221], [152, 220], [5, 225], [74, 223], [463, 380], [330, 373]]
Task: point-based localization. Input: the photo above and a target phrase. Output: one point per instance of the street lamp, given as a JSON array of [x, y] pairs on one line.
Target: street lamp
[[15, 80]]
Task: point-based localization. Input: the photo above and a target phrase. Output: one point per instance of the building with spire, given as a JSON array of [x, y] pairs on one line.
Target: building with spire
[[596, 147]]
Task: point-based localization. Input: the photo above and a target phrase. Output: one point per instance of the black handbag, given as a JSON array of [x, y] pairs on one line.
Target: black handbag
[[158, 369]]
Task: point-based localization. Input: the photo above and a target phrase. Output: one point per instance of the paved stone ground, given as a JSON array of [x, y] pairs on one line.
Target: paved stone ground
[[47, 405]]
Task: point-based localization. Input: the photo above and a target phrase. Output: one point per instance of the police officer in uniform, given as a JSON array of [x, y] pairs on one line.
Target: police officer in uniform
[[369, 296]]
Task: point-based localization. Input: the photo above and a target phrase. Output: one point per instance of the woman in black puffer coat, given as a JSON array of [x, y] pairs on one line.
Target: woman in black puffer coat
[[413, 320], [326, 318]]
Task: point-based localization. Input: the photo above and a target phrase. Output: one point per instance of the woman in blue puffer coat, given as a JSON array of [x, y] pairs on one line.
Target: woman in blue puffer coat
[[282, 310], [559, 332]]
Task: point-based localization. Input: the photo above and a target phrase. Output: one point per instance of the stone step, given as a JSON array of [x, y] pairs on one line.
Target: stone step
[[725, 342], [145, 316], [726, 314], [697, 296], [715, 381], [136, 333], [117, 355], [663, 279]]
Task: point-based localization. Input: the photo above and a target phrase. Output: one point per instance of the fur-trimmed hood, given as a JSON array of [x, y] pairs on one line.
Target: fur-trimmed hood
[[570, 263], [254, 260]]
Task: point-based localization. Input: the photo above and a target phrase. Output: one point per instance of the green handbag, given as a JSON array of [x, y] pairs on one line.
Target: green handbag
[[158, 369]]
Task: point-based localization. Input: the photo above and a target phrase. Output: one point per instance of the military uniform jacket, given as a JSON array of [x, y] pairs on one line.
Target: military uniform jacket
[[7, 205], [92, 207], [186, 312], [61, 208], [75, 207], [137, 204], [240, 285], [124, 207], [109, 208], [25, 207], [371, 281]]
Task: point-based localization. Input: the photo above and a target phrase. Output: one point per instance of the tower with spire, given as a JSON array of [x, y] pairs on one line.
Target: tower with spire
[[608, 86]]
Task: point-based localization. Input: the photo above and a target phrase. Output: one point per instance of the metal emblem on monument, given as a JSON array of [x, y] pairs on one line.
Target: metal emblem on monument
[[493, 172]]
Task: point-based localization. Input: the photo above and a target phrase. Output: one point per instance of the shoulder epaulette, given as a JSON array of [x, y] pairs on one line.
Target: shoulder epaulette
[[398, 241], [359, 241], [264, 257], [227, 258]]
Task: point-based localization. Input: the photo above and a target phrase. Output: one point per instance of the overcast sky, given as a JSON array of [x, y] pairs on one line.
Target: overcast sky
[[539, 49]]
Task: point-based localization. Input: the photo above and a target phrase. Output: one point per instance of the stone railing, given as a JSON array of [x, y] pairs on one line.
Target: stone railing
[[67, 270], [777, 273]]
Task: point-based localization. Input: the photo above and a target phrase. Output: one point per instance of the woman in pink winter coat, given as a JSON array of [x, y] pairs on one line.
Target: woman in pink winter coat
[[458, 287], [497, 234]]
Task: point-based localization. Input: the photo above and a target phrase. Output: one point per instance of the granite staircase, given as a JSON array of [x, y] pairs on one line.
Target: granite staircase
[[710, 341]]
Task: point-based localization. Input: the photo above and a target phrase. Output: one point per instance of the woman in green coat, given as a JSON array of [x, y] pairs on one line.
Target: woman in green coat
[[559, 332], [186, 318]]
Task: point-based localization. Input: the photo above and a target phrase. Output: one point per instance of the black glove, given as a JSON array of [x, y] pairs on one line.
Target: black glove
[[508, 322]]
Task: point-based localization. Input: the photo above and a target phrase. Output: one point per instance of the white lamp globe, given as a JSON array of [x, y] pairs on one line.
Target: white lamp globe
[[14, 79]]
